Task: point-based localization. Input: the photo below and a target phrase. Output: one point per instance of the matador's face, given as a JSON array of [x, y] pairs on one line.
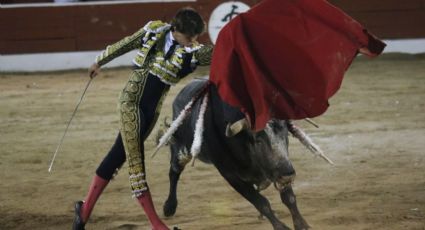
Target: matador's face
[[185, 40]]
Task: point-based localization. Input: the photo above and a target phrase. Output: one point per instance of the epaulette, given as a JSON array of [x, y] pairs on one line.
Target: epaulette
[[156, 26], [193, 48]]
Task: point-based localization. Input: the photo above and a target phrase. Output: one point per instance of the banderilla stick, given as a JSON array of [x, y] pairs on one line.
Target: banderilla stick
[[69, 122], [311, 122]]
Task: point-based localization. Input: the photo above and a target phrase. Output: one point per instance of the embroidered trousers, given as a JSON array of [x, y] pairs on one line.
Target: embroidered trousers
[[139, 106]]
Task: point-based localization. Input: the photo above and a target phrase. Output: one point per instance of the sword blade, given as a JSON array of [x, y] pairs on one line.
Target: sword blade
[[67, 126]]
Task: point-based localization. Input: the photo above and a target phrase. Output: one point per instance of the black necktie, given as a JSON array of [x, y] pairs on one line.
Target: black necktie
[[171, 50]]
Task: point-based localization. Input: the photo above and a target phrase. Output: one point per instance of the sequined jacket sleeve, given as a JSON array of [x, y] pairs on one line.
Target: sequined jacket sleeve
[[204, 54], [121, 47]]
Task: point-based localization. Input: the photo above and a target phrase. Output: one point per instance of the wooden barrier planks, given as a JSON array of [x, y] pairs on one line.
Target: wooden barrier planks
[[391, 19], [103, 25], [378, 5], [32, 30], [37, 46], [23, 1], [36, 23], [82, 27]]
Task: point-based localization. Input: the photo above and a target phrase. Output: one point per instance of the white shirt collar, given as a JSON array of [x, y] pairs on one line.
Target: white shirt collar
[[168, 41], [171, 36]]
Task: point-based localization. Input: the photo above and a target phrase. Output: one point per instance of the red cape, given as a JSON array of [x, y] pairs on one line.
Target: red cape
[[285, 58]]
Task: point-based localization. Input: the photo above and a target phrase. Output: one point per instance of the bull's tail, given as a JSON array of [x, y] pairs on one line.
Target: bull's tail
[[306, 141]]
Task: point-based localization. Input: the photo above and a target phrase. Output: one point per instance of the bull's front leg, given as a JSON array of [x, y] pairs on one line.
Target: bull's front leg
[[177, 165], [170, 204], [288, 198], [254, 197]]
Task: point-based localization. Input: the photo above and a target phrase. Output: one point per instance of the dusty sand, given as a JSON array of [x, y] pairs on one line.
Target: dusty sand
[[374, 130]]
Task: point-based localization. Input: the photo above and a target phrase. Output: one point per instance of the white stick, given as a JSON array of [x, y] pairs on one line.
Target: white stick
[[199, 130], [312, 122], [67, 126], [174, 126]]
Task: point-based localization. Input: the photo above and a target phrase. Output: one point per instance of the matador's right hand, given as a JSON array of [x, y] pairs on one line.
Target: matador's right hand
[[94, 70]]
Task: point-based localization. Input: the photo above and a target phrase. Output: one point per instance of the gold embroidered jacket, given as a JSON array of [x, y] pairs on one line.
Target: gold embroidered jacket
[[152, 36]]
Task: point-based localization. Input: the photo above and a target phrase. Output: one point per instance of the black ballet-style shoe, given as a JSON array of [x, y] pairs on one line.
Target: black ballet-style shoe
[[78, 221]]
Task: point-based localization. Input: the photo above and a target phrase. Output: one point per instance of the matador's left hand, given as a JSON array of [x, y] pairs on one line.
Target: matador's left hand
[[94, 70]]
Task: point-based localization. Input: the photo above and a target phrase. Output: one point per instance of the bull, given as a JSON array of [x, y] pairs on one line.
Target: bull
[[249, 161]]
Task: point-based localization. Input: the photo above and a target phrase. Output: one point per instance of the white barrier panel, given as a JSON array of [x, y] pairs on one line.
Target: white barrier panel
[[57, 61], [82, 60]]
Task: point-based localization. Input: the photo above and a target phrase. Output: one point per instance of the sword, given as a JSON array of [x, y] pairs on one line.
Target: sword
[[67, 126]]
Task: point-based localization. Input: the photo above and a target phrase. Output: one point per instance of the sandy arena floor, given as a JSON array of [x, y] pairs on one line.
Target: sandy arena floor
[[374, 131]]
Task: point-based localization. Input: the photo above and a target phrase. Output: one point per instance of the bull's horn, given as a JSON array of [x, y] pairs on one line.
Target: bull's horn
[[307, 142], [237, 127]]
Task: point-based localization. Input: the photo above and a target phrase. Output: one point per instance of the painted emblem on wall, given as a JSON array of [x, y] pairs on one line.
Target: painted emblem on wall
[[222, 14]]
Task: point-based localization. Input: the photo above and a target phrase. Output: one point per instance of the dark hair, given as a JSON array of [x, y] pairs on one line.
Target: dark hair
[[187, 21]]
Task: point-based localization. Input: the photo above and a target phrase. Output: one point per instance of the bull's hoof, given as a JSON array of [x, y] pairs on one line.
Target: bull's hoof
[[282, 227], [301, 224], [169, 208]]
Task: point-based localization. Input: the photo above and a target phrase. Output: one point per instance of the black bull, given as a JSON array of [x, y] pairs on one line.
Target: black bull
[[248, 161]]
